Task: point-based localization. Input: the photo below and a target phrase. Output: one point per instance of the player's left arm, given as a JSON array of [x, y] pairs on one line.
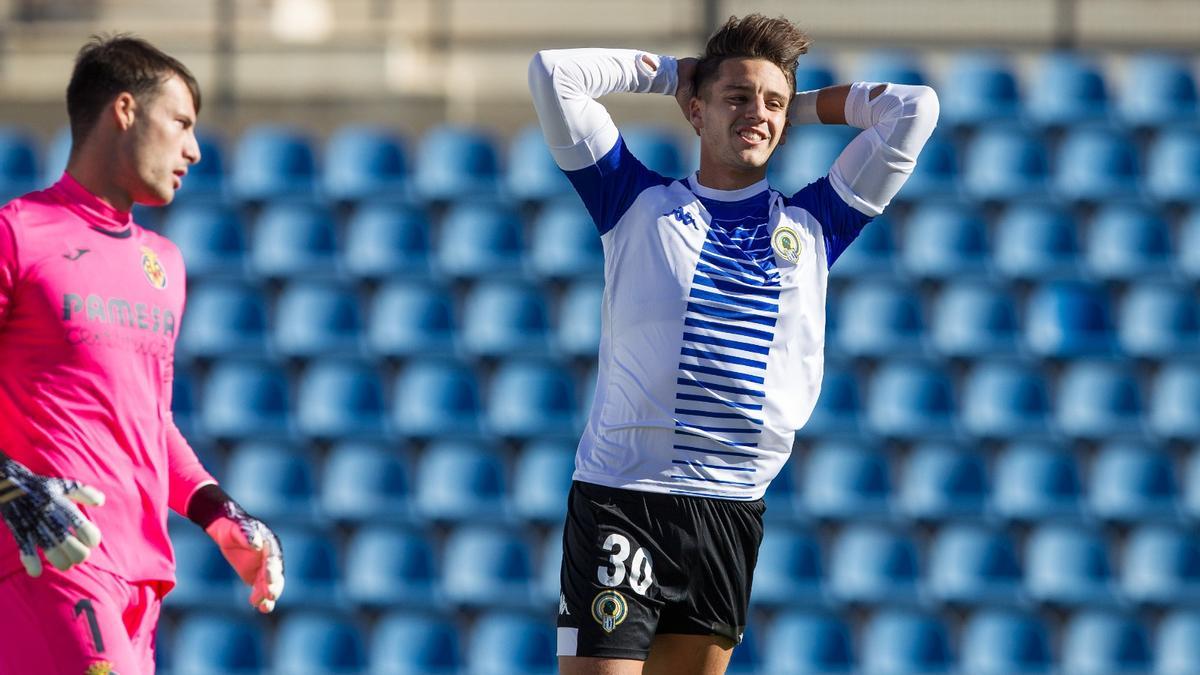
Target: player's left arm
[[249, 546], [897, 120]]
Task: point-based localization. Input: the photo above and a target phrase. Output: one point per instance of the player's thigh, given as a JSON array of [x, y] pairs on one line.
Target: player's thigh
[[677, 654], [586, 665], [63, 623]]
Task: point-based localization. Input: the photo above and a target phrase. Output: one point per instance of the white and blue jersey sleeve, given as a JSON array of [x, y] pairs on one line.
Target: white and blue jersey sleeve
[[713, 315]]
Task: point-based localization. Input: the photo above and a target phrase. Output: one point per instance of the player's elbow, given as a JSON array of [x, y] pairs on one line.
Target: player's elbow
[[541, 71], [925, 104]]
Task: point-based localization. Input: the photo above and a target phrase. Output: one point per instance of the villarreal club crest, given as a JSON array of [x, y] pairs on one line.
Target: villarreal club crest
[[155, 274]]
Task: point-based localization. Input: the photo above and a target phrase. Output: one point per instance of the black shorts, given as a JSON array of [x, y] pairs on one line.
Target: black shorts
[[637, 564]]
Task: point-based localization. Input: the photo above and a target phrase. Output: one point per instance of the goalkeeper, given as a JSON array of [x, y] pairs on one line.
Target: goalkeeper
[[90, 458]]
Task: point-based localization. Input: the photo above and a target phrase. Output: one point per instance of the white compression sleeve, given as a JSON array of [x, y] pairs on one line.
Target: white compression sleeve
[[565, 84]]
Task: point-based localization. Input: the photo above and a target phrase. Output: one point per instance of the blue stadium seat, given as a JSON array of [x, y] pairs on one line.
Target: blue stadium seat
[[1176, 402], [905, 642], [807, 156], [415, 643], [1161, 566], [878, 319], [363, 482], [974, 565], [974, 320], [18, 163], [909, 400], [565, 244], [387, 241], [294, 241], [503, 643], [578, 333], [839, 407], [1098, 399], [55, 155], [1068, 320], [1003, 399], [433, 397], [211, 238], [782, 498], [813, 72], [1094, 164], [1006, 163], [164, 649], [1188, 261], [943, 482], [1002, 642], [1159, 321], [363, 162], [657, 148], [486, 567], [1067, 89], [846, 480], [314, 569], [1159, 89], [789, 572], [1133, 482], [391, 567], [480, 240], [747, 655], [1103, 643], [936, 173], [1036, 242], [207, 180], [1128, 243], [1069, 566], [1173, 167], [460, 481], [1034, 481], [890, 65], [945, 241], [245, 398], [339, 399], [273, 163], [411, 319], [532, 174], [273, 481], [224, 319], [218, 644], [316, 320], [873, 254], [985, 91], [204, 580], [872, 565], [802, 642], [530, 399], [505, 319], [549, 566], [185, 402], [541, 480], [318, 644], [456, 162], [1177, 648]]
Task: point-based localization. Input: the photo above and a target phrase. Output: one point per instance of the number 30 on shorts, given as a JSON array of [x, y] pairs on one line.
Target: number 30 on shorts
[[641, 574]]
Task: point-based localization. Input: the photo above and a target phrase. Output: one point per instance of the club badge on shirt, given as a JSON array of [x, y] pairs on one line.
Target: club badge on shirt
[[609, 609], [786, 244], [155, 274]]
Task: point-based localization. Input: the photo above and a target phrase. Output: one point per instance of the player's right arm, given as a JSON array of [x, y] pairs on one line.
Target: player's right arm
[[581, 135]]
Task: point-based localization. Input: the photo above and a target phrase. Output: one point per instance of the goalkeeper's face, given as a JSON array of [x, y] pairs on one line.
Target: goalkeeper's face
[[741, 115]]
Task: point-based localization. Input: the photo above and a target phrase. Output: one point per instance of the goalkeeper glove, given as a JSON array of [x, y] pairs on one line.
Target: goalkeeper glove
[[39, 513], [250, 547]]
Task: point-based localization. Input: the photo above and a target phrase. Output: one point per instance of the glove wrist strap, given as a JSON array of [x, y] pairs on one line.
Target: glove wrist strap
[[209, 503]]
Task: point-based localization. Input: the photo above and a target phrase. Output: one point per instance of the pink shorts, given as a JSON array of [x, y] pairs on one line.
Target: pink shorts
[[81, 622]]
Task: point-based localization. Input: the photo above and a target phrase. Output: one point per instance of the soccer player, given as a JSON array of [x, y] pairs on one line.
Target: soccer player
[[713, 325], [90, 304]]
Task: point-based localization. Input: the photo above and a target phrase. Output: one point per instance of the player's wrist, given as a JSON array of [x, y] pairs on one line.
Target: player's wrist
[[209, 503], [803, 109]]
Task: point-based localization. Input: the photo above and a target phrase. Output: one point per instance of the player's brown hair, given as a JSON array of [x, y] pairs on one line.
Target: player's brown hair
[[111, 64], [753, 36]]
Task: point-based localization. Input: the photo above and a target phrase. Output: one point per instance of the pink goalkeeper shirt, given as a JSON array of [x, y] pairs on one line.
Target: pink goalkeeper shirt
[[90, 305]]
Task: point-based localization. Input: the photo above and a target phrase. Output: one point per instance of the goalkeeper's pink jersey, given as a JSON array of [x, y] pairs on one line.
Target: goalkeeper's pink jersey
[[90, 305]]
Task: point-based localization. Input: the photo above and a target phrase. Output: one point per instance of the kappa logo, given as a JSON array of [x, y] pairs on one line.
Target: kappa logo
[[609, 609], [155, 274], [683, 217], [562, 605]]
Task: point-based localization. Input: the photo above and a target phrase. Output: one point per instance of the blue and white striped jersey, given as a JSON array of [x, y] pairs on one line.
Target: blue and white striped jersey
[[713, 315]]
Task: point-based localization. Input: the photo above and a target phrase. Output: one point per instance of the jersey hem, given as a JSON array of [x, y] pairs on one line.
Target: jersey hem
[[658, 487]]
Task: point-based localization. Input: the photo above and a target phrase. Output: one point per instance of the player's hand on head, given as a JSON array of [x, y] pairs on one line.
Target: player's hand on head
[[685, 89], [41, 513], [253, 551]]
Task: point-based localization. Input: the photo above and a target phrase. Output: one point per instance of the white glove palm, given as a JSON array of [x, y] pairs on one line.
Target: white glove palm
[[253, 550], [40, 514]]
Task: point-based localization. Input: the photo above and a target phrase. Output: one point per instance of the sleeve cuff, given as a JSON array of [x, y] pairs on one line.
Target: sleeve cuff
[[804, 108]]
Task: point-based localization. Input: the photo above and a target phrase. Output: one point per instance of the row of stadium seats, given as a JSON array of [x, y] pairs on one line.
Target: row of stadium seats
[[459, 481], [796, 642]]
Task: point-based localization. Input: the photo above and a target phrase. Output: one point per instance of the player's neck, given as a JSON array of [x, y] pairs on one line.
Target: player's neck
[[99, 179], [716, 176]]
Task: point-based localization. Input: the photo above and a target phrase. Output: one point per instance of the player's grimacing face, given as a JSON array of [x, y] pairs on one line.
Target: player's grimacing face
[[163, 143], [743, 112]]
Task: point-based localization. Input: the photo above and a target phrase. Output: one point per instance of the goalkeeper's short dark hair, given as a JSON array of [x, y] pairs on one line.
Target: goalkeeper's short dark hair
[[109, 65], [752, 36]]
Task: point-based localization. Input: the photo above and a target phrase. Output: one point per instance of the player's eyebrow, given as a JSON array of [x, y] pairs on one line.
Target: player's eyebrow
[[750, 88]]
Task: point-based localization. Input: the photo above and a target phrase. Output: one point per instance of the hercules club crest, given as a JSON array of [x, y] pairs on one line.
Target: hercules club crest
[[786, 243]]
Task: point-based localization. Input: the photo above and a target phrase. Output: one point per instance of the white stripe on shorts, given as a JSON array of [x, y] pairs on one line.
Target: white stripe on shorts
[[568, 641]]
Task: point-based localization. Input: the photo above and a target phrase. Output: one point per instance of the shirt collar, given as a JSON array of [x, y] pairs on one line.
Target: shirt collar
[[94, 210], [725, 195]]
